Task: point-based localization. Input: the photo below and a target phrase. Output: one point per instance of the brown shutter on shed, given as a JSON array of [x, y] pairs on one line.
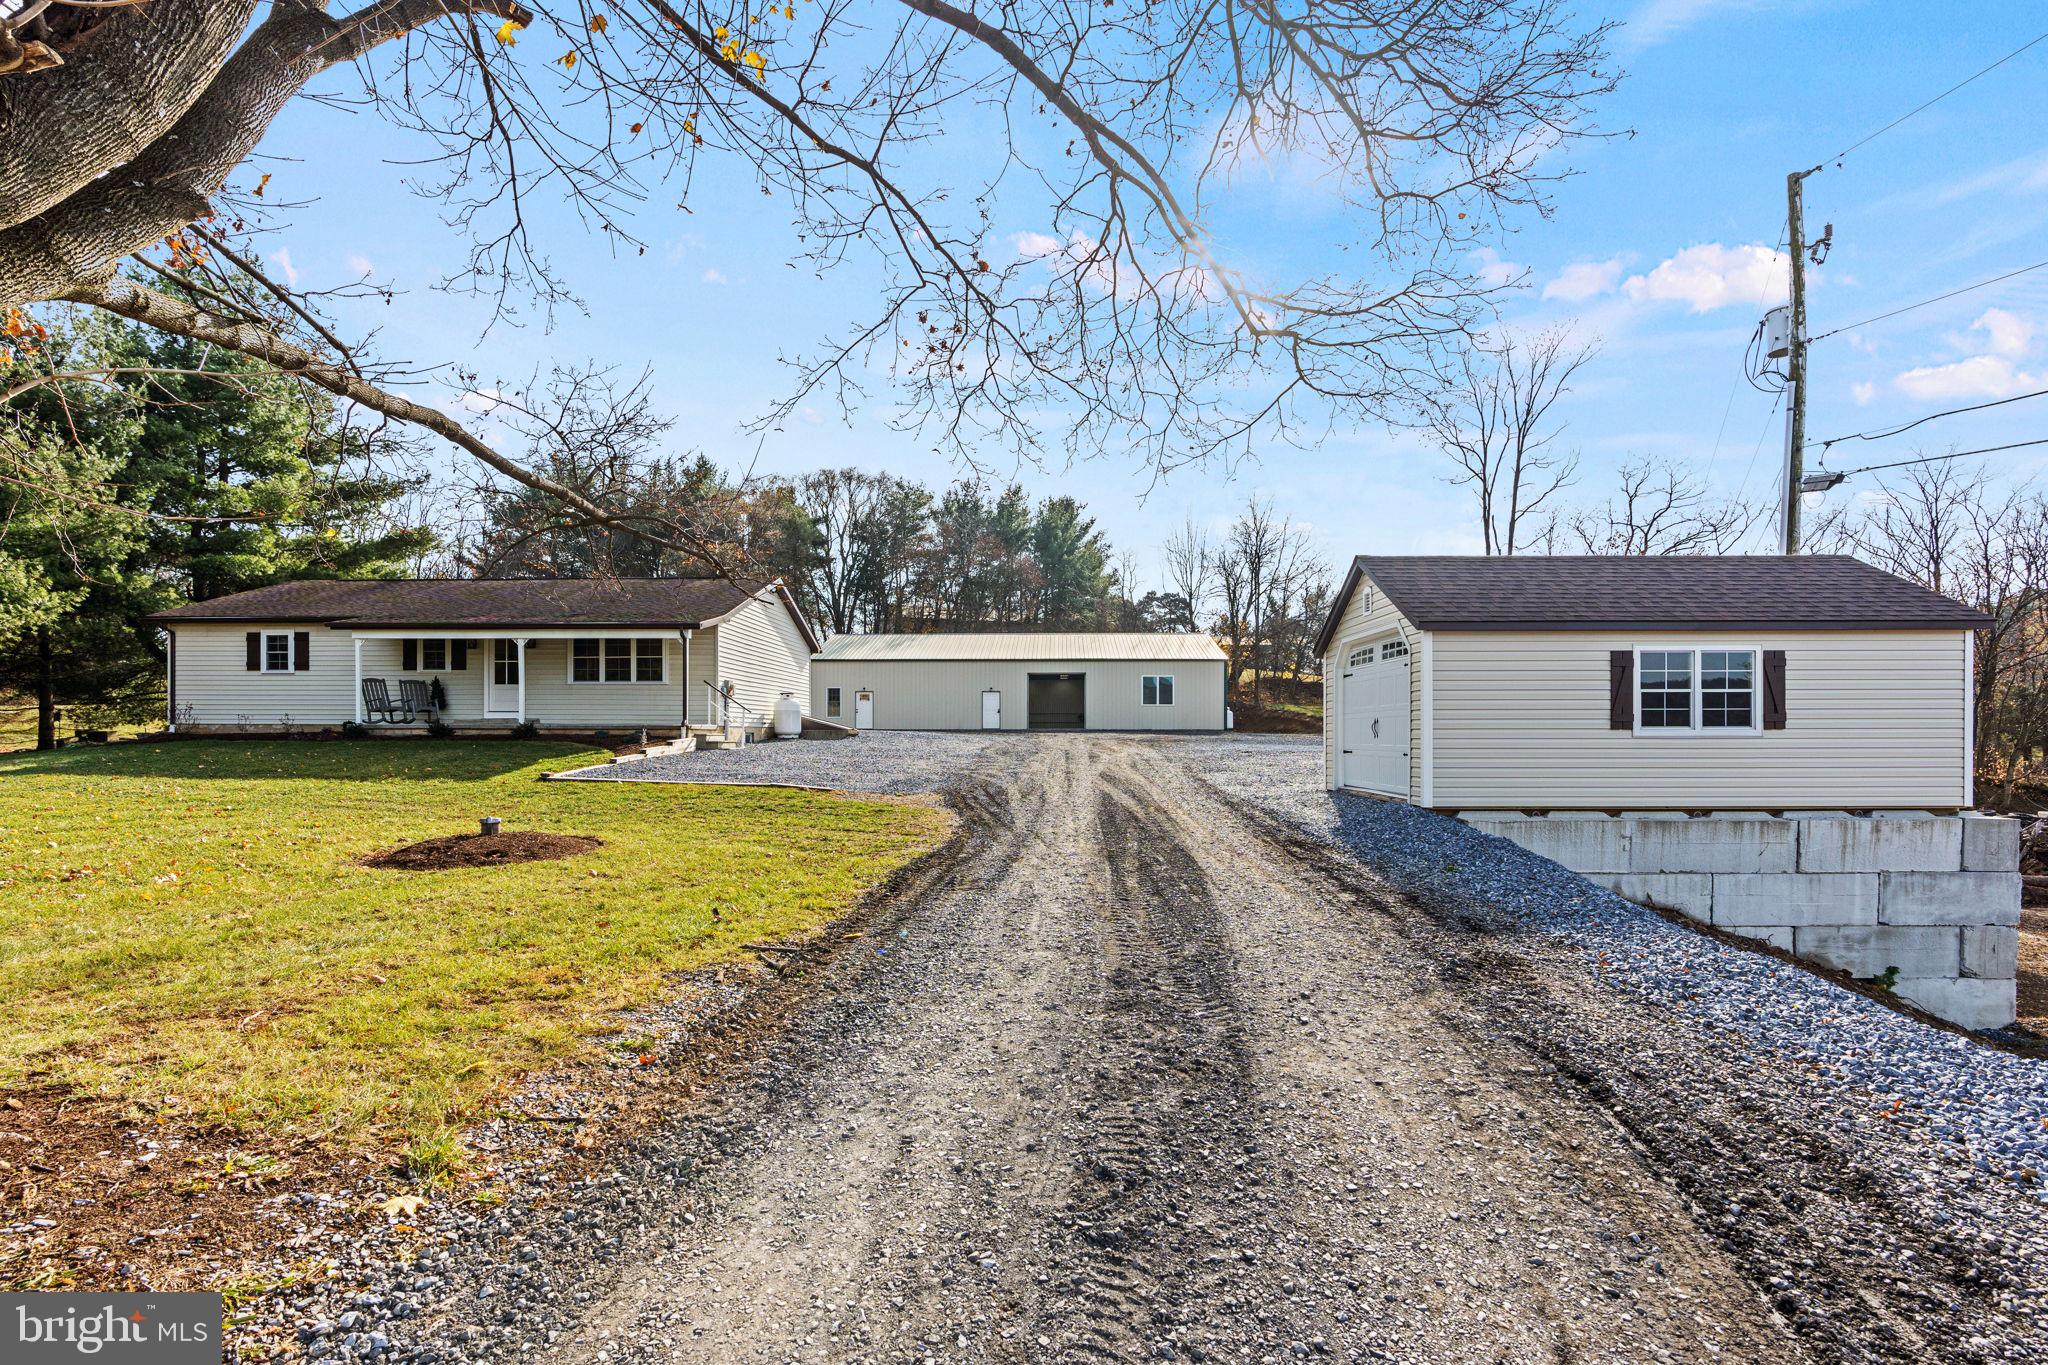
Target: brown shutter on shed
[[255, 639], [1621, 689], [410, 651], [458, 654], [302, 651], [1774, 689]]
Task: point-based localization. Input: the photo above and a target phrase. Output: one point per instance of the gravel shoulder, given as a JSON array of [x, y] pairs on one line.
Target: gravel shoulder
[[1151, 1066], [888, 762]]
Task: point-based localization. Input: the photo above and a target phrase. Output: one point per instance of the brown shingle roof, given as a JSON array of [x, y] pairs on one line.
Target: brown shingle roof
[[481, 602], [1595, 592]]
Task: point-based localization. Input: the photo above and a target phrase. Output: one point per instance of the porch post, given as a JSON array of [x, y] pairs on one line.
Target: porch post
[[519, 653], [686, 684], [359, 679]]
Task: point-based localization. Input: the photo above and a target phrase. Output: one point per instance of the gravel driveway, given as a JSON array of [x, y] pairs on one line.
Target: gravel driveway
[[1141, 1069]]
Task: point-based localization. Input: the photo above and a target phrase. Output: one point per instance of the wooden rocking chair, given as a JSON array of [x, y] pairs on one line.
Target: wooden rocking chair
[[378, 706]]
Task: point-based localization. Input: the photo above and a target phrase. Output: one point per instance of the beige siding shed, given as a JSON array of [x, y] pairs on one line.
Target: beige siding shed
[[1526, 691]]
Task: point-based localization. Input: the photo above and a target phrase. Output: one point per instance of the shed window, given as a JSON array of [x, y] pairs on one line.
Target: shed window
[[277, 651], [619, 660], [1696, 690], [433, 655], [831, 701], [1158, 689]]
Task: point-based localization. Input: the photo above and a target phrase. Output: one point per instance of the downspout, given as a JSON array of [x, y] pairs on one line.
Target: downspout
[[171, 681]]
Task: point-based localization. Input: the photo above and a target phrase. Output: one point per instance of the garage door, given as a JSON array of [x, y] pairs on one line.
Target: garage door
[[1372, 728]]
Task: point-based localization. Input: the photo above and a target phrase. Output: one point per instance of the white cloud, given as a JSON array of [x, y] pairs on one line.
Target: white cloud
[[1981, 376], [2002, 341], [1711, 276], [359, 264], [1863, 392], [1494, 271], [282, 260], [1582, 280], [1656, 20], [481, 400], [2007, 334], [713, 275]]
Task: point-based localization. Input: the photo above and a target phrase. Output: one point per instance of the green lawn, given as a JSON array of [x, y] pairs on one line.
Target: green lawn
[[187, 919]]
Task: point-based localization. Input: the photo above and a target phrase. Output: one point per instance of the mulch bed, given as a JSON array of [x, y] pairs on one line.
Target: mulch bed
[[482, 850]]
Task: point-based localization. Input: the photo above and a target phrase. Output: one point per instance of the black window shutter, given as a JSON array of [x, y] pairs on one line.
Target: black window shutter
[[410, 652], [255, 638], [458, 654], [1774, 689], [302, 651], [1621, 689]]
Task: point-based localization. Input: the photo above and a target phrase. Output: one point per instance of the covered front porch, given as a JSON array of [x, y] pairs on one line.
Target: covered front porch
[[586, 680]]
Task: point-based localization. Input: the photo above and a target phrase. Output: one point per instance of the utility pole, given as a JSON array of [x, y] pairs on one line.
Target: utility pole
[[1795, 360]]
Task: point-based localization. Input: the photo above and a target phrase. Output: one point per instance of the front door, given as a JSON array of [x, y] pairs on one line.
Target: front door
[[991, 710], [1372, 728], [863, 710], [501, 684]]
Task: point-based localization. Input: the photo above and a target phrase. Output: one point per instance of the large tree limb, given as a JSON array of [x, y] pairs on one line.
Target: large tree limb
[[120, 91], [152, 308], [81, 241]]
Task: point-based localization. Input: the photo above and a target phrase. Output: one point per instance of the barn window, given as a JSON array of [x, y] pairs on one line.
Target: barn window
[[1696, 690], [831, 701], [1158, 689]]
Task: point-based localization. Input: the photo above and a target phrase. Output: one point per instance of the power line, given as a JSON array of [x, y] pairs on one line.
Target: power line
[[1921, 421], [1921, 109], [1968, 288], [1937, 459]]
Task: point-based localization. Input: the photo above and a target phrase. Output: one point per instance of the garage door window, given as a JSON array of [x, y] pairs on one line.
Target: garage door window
[[1359, 658], [1394, 649], [1159, 689]]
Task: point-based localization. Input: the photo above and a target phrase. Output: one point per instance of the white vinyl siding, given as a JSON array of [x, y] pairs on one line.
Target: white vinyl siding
[[758, 646], [1874, 719], [216, 687], [947, 694], [763, 653], [1369, 614]]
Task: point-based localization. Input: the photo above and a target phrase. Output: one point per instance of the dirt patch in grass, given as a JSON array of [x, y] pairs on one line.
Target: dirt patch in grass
[[483, 850]]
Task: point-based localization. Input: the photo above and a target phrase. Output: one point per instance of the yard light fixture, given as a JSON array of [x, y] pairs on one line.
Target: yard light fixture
[[489, 824]]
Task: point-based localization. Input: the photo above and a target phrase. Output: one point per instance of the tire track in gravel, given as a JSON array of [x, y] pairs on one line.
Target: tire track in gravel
[[1858, 1271]]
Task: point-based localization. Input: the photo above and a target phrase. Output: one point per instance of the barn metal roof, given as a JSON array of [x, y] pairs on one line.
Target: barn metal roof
[[1130, 646]]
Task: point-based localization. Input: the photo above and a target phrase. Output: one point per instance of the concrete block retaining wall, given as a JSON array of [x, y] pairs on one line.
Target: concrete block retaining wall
[[1934, 897]]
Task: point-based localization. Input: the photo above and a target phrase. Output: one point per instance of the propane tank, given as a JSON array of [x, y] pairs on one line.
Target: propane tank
[[789, 717]]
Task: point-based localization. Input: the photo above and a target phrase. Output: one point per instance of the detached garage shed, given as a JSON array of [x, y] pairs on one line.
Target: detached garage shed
[[1762, 682], [1050, 681]]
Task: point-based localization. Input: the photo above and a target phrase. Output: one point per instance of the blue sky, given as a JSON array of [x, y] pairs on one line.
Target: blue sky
[[1660, 249]]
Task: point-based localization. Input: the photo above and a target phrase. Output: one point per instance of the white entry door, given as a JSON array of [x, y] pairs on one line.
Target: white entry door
[[991, 710], [501, 684], [1372, 726], [863, 710]]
